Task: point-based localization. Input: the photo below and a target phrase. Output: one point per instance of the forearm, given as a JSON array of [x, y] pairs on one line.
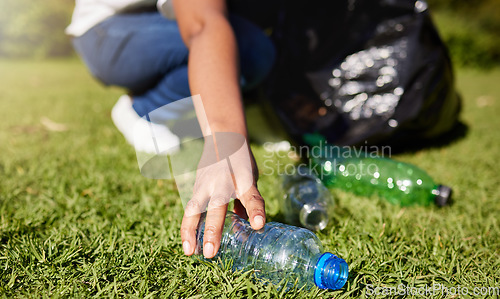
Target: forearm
[[213, 65], [213, 73]]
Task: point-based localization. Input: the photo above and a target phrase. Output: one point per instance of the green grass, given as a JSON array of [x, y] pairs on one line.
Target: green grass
[[78, 220], [470, 42]]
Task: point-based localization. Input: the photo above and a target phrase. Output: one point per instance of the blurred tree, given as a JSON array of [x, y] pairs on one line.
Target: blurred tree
[[34, 28]]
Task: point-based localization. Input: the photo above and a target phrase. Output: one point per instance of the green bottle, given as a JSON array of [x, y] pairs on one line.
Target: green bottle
[[365, 174]]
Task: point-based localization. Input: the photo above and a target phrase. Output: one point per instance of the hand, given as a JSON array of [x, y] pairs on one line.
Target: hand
[[226, 170]]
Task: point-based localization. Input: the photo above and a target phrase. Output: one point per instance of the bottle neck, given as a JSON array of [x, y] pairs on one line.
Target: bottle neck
[[442, 195], [314, 216], [331, 272]]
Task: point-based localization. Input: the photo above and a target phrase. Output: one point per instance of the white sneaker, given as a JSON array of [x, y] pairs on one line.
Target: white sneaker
[[145, 136]]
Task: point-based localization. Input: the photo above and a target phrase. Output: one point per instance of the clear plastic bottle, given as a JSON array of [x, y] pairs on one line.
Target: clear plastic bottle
[[278, 252], [306, 201], [397, 182]]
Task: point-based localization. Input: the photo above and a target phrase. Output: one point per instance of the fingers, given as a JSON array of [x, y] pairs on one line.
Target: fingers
[[255, 208], [213, 189], [214, 224], [189, 225]]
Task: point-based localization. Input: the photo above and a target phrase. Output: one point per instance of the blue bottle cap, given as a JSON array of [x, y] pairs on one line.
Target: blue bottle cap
[[331, 272]]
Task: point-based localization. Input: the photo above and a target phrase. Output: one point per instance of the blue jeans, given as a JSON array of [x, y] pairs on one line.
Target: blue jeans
[[145, 54]]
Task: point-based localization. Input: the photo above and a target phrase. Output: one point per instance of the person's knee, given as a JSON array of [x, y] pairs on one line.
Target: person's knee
[[257, 52], [265, 56]]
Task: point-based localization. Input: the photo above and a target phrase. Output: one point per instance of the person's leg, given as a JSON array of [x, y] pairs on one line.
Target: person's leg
[[257, 54], [133, 51], [145, 54]]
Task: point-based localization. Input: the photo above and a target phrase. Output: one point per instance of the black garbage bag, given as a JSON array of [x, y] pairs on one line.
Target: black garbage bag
[[361, 72]]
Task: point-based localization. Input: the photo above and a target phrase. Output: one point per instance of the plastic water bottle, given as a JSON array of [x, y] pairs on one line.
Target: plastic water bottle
[[277, 253], [397, 182], [306, 201]]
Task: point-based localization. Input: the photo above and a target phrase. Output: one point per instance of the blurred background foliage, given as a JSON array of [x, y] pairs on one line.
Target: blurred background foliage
[[470, 29], [35, 29]]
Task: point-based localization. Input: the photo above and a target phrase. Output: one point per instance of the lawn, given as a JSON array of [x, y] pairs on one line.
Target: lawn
[[77, 219]]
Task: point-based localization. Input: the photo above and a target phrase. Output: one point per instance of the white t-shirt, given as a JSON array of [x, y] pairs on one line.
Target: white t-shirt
[[89, 13]]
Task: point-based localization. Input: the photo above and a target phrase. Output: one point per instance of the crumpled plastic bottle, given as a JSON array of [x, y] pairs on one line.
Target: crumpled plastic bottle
[[278, 252], [306, 201]]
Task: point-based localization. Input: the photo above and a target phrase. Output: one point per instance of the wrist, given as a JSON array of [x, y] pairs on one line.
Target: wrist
[[230, 127]]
